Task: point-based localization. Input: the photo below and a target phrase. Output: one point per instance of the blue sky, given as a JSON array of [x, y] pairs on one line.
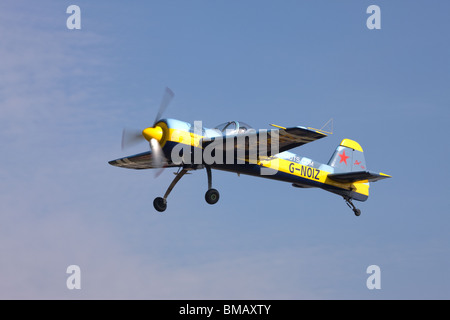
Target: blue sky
[[65, 96]]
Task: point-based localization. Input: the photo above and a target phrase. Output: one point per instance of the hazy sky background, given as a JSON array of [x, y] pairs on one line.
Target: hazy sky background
[[65, 96]]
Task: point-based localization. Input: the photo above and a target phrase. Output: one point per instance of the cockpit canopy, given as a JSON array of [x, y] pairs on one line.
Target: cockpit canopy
[[233, 127]]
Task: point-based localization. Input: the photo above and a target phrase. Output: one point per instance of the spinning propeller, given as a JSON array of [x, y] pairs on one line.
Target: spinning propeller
[[153, 134]]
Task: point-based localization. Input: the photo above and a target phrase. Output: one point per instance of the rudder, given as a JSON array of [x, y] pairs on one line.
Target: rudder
[[348, 157]]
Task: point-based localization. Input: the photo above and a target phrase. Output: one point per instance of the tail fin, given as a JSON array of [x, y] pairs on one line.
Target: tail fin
[[350, 167], [348, 157]]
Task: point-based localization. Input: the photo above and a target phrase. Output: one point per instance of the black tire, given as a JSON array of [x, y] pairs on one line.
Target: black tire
[[160, 204], [357, 212], [212, 196]]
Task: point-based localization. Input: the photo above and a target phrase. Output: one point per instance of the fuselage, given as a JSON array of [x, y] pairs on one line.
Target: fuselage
[[285, 166]]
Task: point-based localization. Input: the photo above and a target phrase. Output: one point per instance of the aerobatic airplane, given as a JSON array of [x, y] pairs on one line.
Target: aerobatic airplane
[[236, 147]]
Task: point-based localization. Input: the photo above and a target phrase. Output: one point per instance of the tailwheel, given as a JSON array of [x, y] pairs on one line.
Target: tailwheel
[[212, 196], [355, 210], [160, 204]]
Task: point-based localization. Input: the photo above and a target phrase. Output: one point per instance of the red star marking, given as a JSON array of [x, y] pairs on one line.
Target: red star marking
[[343, 157]]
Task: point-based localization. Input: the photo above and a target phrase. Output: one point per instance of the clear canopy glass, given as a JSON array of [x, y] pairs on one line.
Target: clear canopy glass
[[233, 127]]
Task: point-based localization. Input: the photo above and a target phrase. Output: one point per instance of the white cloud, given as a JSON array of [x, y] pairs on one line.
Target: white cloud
[[36, 250], [44, 70]]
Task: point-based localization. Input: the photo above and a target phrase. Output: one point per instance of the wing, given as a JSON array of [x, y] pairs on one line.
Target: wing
[[260, 141], [297, 136], [358, 176], [138, 161]]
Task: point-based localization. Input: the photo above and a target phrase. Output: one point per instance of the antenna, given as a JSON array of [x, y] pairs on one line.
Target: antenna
[[327, 127]]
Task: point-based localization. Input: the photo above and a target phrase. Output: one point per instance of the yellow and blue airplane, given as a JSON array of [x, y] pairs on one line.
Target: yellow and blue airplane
[[236, 147]]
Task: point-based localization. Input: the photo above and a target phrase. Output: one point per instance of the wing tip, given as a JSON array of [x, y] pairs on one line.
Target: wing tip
[[277, 126]]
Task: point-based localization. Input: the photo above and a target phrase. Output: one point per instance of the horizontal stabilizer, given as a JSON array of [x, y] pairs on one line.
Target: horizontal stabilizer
[[358, 176]]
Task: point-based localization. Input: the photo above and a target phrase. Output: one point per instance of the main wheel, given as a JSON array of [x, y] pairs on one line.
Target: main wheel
[[357, 212], [160, 204], [212, 196]]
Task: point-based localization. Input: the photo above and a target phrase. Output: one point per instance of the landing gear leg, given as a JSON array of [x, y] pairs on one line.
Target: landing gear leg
[[212, 195], [349, 202], [159, 203]]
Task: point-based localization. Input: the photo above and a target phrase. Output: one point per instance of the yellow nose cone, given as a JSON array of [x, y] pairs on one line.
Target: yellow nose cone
[[153, 133]]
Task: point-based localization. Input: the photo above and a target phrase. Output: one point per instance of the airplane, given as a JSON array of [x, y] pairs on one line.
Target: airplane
[[261, 153]]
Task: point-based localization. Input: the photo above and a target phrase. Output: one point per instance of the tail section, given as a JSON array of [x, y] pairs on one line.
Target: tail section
[[350, 168], [348, 157]]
